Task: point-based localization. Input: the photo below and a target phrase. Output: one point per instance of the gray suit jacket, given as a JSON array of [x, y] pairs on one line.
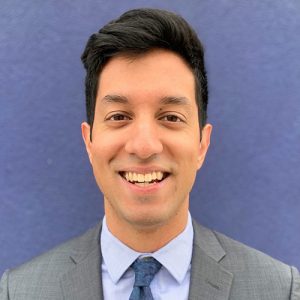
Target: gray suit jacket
[[221, 269]]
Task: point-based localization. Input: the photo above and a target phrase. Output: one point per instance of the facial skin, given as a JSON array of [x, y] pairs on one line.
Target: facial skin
[[146, 120]]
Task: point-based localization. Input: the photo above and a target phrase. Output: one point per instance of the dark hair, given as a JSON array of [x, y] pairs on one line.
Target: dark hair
[[136, 32]]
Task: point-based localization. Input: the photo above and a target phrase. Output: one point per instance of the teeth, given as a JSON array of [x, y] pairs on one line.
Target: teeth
[[148, 177], [159, 175], [143, 179], [142, 184], [134, 177]]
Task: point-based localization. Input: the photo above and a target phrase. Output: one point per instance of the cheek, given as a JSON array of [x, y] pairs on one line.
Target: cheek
[[103, 153], [105, 147], [184, 149], [187, 155]]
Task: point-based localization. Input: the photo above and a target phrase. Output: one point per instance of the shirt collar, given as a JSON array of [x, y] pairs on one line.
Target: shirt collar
[[118, 257]]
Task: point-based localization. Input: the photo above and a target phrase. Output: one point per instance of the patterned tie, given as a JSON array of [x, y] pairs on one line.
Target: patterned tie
[[144, 270]]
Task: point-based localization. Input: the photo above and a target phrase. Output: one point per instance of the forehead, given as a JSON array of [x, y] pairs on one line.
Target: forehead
[[157, 73]]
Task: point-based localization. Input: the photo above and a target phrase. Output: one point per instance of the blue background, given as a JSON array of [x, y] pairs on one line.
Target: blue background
[[249, 186]]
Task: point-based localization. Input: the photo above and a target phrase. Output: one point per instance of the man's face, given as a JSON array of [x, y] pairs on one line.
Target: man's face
[[146, 149]]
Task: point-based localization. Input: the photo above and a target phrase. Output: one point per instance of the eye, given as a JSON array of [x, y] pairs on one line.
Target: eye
[[118, 117], [171, 118]]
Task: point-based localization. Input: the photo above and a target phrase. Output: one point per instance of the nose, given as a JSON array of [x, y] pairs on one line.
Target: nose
[[144, 140]]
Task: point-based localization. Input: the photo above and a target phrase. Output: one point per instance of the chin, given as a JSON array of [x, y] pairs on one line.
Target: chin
[[147, 219]]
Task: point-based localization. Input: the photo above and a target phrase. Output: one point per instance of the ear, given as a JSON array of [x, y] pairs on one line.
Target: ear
[[204, 144], [85, 131]]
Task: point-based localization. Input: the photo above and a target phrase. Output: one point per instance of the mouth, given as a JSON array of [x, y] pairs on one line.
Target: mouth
[[144, 179]]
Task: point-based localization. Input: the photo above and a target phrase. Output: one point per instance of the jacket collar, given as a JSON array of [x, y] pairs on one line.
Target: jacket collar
[[209, 279], [84, 281]]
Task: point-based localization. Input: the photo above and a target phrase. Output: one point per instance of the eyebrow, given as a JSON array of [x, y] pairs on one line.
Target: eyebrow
[[168, 100], [172, 100], [115, 99]]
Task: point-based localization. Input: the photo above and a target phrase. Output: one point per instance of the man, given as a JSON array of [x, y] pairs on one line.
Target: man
[[146, 136]]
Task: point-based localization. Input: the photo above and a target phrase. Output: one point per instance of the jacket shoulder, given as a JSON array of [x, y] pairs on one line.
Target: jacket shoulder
[[45, 271], [60, 255], [257, 272], [248, 257]]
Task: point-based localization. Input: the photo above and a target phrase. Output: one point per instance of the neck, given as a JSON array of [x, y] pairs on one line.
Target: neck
[[147, 238]]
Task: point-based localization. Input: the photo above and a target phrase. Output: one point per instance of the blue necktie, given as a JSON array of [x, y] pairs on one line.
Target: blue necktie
[[144, 270]]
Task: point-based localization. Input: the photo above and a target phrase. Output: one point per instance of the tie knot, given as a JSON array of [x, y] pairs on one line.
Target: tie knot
[[144, 270]]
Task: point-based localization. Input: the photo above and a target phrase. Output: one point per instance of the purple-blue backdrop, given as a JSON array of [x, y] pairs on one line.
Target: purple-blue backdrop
[[249, 186]]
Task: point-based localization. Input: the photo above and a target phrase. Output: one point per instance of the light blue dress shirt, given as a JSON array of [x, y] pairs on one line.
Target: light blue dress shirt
[[171, 282]]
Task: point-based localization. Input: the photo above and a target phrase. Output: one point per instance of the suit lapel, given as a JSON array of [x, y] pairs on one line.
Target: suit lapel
[[209, 280], [84, 280]]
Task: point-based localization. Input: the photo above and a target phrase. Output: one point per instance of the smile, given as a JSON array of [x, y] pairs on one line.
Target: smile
[[142, 180]]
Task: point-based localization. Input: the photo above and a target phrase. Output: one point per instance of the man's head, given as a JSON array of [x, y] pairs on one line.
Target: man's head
[[143, 105], [135, 33]]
